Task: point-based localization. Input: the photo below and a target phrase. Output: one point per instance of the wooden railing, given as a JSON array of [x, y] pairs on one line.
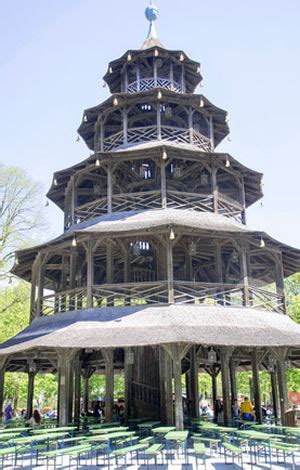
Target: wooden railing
[[139, 135], [145, 84], [157, 292], [153, 200]]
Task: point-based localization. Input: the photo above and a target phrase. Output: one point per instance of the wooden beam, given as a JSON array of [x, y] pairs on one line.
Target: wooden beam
[[108, 355], [256, 386]]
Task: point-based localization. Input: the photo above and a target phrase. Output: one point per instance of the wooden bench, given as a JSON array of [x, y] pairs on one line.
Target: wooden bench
[[153, 452], [124, 451], [200, 453], [287, 450], [214, 443], [234, 451]]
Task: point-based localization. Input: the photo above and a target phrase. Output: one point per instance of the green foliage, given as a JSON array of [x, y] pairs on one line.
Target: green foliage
[[97, 386]]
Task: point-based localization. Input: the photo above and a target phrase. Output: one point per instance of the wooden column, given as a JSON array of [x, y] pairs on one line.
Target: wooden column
[[155, 73], [214, 188], [170, 274], [225, 354], [232, 366], [2, 383], [163, 183], [90, 273], [211, 133], [280, 283], [108, 355], [281, 355], [40, 287], [214, 392], [109, 189], [33, 290], [176, 351], [65, 358], [30, 392], [182, 78], [128, 366], [86, 377], [138, 75], [109, 263], [166, 392], [256, 386], [274, 393], [171, 74], [73, 260], [194, 382], [243, 198], [125, 126], [158, 120], [190, 121], [244, 273], [77, 389]]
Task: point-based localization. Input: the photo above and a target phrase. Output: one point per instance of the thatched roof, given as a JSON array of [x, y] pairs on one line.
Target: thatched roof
[[148, 325], [115, 67], [131, 223], [252, 178]]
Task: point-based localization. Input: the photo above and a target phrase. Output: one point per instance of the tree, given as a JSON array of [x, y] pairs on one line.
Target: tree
[[20, 213]]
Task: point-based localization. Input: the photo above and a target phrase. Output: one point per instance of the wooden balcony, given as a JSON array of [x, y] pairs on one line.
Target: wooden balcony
[[153, 200], [158, 292], [145, 84], [141, 135]]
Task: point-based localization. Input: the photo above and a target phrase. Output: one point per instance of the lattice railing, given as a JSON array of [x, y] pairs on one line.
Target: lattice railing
[[153, 200], [145, 84], [115, 295], [197, 293], [139, 135]]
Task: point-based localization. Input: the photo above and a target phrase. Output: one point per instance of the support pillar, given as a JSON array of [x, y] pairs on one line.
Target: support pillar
[[90, 273], [170, 274], [30, 392], [232, 366], [128, 366], [176, 352], [163, 183], [65, 359], [225, 354], [214, 393], [194, 382], [256, 386], [109, 189], [244, 272], [214, 188], [282, 386], [77, 390], [86, 376], [274, 394], [2, 383], [108, 355]]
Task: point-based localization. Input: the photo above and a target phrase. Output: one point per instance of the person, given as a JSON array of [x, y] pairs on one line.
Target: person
[[235, 411], [247, 410], [8, 411], [35, 420]]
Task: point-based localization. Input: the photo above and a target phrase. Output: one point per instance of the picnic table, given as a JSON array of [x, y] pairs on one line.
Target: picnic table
[[148, 424], [37, 438], [109, 430], [178, 436], [163, 429], [111, 436], [53, 430]]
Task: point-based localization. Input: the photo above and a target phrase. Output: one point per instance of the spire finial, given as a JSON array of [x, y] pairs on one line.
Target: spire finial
[[151, 13]]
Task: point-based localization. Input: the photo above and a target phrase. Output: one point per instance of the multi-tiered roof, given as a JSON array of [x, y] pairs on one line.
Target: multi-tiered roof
[[155, 240]]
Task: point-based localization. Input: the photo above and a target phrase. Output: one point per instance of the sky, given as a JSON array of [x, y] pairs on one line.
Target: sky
[[53, 54]]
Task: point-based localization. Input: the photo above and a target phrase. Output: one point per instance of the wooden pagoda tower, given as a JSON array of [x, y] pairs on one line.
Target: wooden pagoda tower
[[156, 273]]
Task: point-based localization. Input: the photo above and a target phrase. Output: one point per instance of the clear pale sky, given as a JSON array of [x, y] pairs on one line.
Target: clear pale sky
[[53, 54]]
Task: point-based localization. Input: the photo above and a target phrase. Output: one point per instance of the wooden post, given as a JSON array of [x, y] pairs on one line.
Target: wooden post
[[108, 355], [125, 126], [109, 263], [182, 78], [3, 361], [232, 365], [170, 274], [101, 136], [214, 188], [155, 73], [73, 260], [65, 358], [30, 392], [225, 354], [162, 384], [256, 386], [177, 351], [211, 133], [280, 283], [158, 120], [281, 355], [243, 198], [244, 272], [128, 366], [214, 392], [163, 183], [33, 290], [138, 75], [109, 189], [171, 74], [86, 376], [274, 393], [190, 121], [40, 283], [77, 390], [194, 382], [90, 273]]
